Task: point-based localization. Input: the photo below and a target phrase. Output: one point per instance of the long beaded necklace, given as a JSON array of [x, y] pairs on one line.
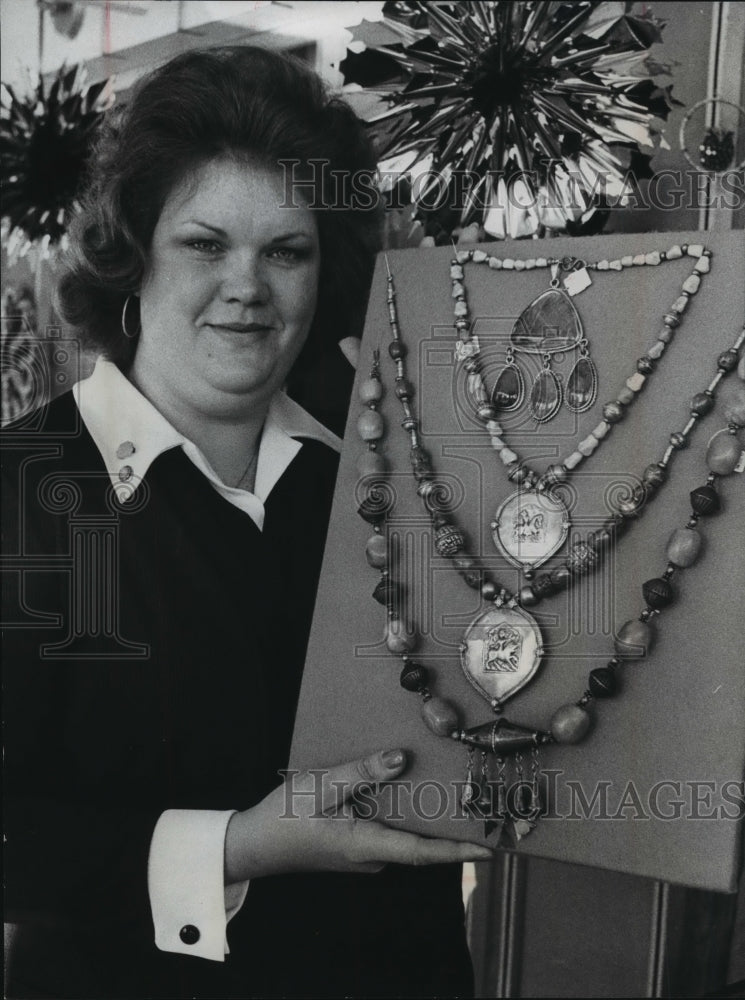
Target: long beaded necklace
[[502, 649], [532, 524]]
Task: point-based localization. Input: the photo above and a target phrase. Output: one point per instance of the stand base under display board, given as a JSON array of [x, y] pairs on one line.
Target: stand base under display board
[[655, 788]]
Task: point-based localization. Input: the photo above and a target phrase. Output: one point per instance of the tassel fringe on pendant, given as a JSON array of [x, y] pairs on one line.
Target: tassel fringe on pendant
[[507, 801]]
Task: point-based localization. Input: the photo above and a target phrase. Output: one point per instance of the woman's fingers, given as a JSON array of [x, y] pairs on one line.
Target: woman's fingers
[[400, 847], [326, 790]]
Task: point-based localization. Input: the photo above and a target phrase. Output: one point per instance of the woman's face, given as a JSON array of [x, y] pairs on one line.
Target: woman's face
[[229, 293]]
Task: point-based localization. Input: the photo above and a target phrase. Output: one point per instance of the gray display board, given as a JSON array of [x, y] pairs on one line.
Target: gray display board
[[655, 789]]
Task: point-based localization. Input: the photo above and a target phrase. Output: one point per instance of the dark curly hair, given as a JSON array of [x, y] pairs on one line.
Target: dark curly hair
[[238, 101]]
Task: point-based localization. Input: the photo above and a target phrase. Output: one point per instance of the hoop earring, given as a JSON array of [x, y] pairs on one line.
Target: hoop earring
[[125, 331]]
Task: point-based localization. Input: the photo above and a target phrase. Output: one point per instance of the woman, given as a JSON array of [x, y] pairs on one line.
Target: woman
[[169, 519]]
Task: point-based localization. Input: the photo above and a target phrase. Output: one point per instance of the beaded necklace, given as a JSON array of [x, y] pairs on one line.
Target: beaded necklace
[[532, 524], [502, 649]]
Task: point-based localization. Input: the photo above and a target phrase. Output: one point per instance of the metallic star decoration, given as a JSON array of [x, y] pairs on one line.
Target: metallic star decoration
[[522, 117]]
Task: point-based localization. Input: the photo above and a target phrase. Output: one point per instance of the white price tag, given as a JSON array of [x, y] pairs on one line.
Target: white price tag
[[577, 281]]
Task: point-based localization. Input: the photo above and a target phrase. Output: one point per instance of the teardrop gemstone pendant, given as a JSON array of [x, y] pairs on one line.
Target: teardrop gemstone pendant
[[509, 387], [582, 385], [545, 395]]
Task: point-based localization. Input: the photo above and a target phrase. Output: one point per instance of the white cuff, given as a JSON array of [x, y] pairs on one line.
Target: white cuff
[[190, 903]]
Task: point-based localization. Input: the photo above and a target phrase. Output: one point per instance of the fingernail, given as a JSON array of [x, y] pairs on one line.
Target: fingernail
[[482, 854], [393, 758]]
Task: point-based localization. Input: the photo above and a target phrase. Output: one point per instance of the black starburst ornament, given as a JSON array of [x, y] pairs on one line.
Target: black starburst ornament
[[45, 140], [522, 117]]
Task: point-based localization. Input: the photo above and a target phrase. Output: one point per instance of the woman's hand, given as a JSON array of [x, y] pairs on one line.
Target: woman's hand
[[311, 826]]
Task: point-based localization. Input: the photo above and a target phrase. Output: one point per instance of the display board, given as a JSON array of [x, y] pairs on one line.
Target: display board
[[655, 788]]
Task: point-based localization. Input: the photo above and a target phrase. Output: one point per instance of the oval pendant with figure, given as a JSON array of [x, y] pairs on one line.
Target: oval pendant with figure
[[530, 527]]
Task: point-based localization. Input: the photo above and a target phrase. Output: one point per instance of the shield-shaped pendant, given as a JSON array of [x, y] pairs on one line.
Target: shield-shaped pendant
[[549, 324], [530, 527], [501, 652]]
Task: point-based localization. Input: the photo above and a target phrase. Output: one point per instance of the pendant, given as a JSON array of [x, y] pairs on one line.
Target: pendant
[[500, 653], [509, 386], [546, 394], [549, 324], [530, 527], [582, 385]]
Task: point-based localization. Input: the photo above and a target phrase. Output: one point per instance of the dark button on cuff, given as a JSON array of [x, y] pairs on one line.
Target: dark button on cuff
[[189, 934]]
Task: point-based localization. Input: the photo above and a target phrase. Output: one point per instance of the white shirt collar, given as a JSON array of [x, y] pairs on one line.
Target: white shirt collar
[[130, 434]]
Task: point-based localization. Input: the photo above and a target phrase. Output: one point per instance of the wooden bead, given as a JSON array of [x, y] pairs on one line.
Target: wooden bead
[[404, 389], [413, 676], [371, 390], [397, 639], [683, 547], [723, 453], [440, 716], [371, 463], [701, 404], [734, 412], [658, 593], [705, 500], [387, 591], [634, 639], [603, 682], [727, 361], [370, 425], [376, 551], [528, 596], [569, 724]]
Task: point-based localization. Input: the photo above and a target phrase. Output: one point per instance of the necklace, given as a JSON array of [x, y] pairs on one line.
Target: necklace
[[502, 649], [512, 802], [532, 524]]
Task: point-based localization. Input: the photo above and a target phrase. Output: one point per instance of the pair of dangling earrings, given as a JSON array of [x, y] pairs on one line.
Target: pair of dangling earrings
[[549, 325]]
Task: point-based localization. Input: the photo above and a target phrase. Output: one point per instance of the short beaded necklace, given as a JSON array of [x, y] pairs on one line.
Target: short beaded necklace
[[532, 524], [502, 648]]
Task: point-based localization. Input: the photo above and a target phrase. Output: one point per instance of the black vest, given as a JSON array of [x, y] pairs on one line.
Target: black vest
[[153, 660]]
